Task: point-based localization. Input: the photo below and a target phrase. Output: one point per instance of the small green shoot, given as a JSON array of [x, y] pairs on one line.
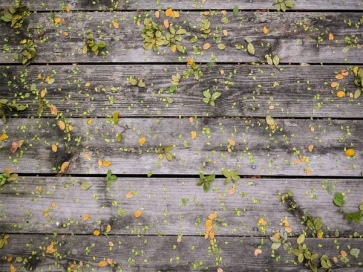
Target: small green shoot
[[165, 152], [205, 181], [90, 45], [231, 175], [15, 14], [110, 178], [210, 98], [6, 106]]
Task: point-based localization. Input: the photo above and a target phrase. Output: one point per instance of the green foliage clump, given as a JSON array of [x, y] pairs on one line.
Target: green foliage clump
[[110, 178], [165, 152], [210, 98], [231, 175], [91, 45], [205, 181], [6, 177], [152, 33], [283, 5], [28, 52], [15, 15], [6, 106]]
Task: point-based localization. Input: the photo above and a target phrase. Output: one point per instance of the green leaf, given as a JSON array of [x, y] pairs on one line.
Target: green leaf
[[289, 3], [181, 31], [115, 117], [300, 257], [149, 174], [357, 93], [199, 183], [276, 60], [251, 49], [248, 39], [269, 120], [207, 94], [227, 180], [301, 239], [269, 60], [206, 100], [173, 88], [85, 49], [94, 48], [275, 246], [206, 186], [221, 46], [33, 87], [215, 95], [121, 212], [85, 186], [168, 156], [141, 84], [168, 148], [102, 45], [339, 199], [185, 201], [235, 10], [283, 7], [354, 252], [210, 178]]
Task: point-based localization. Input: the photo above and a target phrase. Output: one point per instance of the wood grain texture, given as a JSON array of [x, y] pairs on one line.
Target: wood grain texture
[[295, 37], [105, 5], [160, 200], [257, 150], [297, 91], [150, 253]]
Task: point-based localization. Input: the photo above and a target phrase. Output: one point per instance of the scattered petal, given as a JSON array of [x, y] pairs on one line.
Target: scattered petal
[[334, 84], [331, 36], [193, 134], [50, 249], [257, 252], [231, 191], [212, 216], [206, 46], [350, 152], [311, 148], [86, 216], [54, 147], [61, 125], [3, 137], [340, 94], [106, 163], [102, 263], [57, 20], [68, 8], [115, 24], [142, 141], [265, 30], [339, 76], [14, 147], [64, 166], [96, 232], [129, 194], [137, 214]]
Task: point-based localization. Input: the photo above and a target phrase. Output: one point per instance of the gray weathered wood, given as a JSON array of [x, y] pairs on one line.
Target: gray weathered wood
[[160, 200], [302, 91], [49, 5], [292, 36], [258, 150], [150, 253]]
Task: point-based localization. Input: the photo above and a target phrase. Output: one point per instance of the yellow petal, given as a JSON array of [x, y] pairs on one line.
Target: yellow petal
[[265, 30], [96, 232], [137, 213], [3, 137], [257, 252], [64, 166], [142, 140], [212, 216], [340, 94], [115, 24], [193, 134], [54, 148], [102, 263], [331, 36], [57, 20], [350, 152], [86, 216], [206, 46], [61, 125], [106, 163], [68, 8], [168, 12]]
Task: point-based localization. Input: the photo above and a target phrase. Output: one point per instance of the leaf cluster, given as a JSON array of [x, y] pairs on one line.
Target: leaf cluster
[[15, 15], [4, 240], [195, 70], [152, 33], [28, 52], [205, 181], [354, 216], [110, 178], [91, 45], [272, 60], [165, 152], [304, 255], [325, 263], [276, 243], [314, 224], [136, 81], [209, 98], [205, 27], [358, 81], [173, 39], [7, 177], [6, 106], [250, 46], [283, 5], [231, 175]]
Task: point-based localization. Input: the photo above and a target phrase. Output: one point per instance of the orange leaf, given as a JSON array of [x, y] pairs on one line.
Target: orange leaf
[[3, 137], [319, 234], [166, 23], [343, 253], [129, 195], [257, 252], [54, 205], [96, 232], [57, 20], [340, 94], [9, 259], [175, 14], [208, 223], [102, 263], [231, 142], [193, 134], [64, 166], [115, 24], [206, 46], [86, 216], [331, 36], [231, 191], [61, 125], [89, 121], [87, 156], [349, 152], [108, 228], [311, 148], [334, 84], [168, 12], [109, 261], [265, 30], [224, 32], [211, 234], [50, 249], [137, 213], [142, 140], [157, 14], [14, 147], [212, 216], [53, 110], [288, 229], [12, 268], [106, 163], [54, 147], [339, 76], [68, 8]]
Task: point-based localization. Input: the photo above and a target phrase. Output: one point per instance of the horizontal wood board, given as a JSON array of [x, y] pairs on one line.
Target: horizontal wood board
[[257, 149], [247, 90], [27, 205], [106, 5], [294, 37], [150, 253]]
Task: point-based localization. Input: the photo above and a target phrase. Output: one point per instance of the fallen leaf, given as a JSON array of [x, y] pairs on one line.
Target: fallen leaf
[[231, 191], [61, 125], [179, 239], [257, 252], [224, 12], [102, 263], [343, 253], [20, 143], [312, 129], [108, 228], [68, 8], [142, 141], [137, 214], [129, 195], [40, 189], [307, 171], [64, 166], [157, 14], [70, 127], [106, 163], [14, 147], [212, 216], [334, 84], [100, 161], [43, 93], [224, 32], [115, 24], [265, 30], [355, 70], [8, 170], [86, 216], [166, 23], [339, 76], [349, 152], [340, 94], [206, 46], [193, 134], [96, 232], [57, 20], [109, 261], [219, 270], [3, 137], [190, 62], [191, 120], [231, 142], [53, 110], [50, 249], [331, 36], [311, 148]]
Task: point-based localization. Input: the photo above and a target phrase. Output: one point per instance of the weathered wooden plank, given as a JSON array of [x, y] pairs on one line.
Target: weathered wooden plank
[[294, 37], [150, 253], [184, 5], [257, 150], [24, 207], [297, 91]]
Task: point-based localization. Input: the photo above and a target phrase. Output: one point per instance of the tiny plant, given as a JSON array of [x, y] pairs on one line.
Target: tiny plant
[[6, 177], [28, 52], [210, 98], [358, 81], [205, 181], [165, 152], [15, 15], [110, 178], [272, 60], [91, 45], [325, 263], [152, 33], [231, 175], [339, 201], [304, 255], [280, 239], [6, 106], [136, 81], [283, 5], [4, 240]]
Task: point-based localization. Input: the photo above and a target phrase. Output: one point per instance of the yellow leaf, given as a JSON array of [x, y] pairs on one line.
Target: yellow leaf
[[212, 216], [89, 121], [50, 249], [343, 253], [70, 127], [61, 125], [57, 20], [108, 228], [53, 110], [262, 221], [175, 14], [340, 94], [206, 46], [208, 223], [334, 84], [224, 32], [168, 12], [86, 216], [115, 24], [53, 205], [265, 30], [110, 244], [355, 70], [137, 213], [46, 213], [64, 166], [142, 141], [39, 76], [311, 148], [193, 134], [231, 142], [257, 252], [12, 268], [96, 232], [106, 163], [87, 156], [87, 84], [157, 14], [68, 8], [231, 191], [211, 234], [129, 195], [166, 23], [331, 36], [339, 76], [65, 34], [3, 137], [288, 229], [277, 235], [350, 152], [102, 263], [109, 261]]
